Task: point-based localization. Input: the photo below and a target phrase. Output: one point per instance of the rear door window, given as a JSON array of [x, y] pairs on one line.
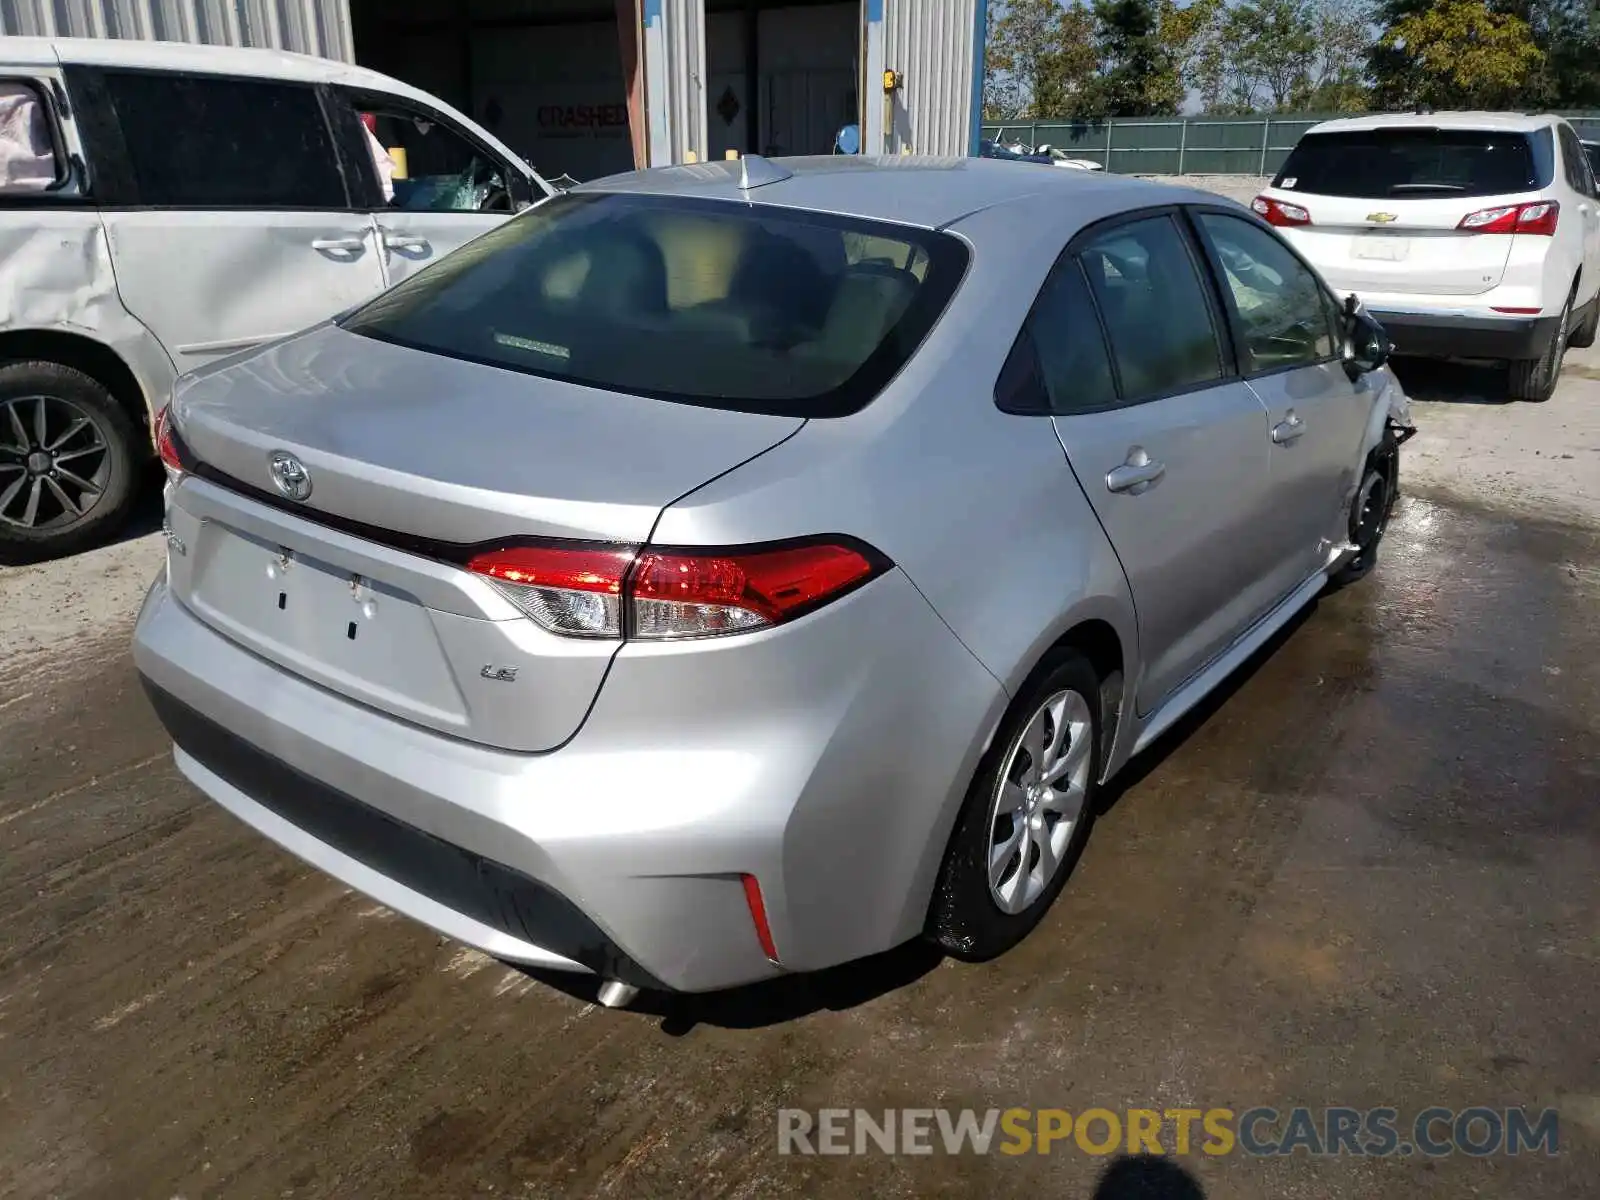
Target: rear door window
[[1422, 163], [1144, 280], [747, 307], [197, 141]]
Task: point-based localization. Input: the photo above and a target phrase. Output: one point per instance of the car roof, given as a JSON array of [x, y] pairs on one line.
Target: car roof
[[925, 191], [1510, 122], [138, 54]]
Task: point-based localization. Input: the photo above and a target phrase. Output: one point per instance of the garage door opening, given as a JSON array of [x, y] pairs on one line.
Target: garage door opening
[[550, 78], [781, 76]]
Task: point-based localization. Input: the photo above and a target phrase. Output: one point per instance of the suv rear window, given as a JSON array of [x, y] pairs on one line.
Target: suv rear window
[[746, 307], [1418, 162]]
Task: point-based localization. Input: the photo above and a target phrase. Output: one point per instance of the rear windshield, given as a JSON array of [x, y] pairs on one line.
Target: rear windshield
[[725, 305], [1418, 162]]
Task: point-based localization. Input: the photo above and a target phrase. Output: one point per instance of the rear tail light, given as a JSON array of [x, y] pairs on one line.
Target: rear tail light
[[175, 456], [575, 590], [1537, 218], [657, 594], [1280, 212]]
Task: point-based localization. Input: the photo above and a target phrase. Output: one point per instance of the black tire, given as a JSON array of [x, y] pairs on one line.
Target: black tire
[[52, 527], [1369, 515], [1583, 336], [1535, 379], [965, 918]]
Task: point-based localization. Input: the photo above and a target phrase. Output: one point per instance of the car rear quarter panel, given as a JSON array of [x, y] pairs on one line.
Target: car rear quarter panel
[[978, 508]]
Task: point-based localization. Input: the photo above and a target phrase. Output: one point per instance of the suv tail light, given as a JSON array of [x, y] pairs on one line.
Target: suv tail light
[[1539, 217], [610, 592], [1280, 212]]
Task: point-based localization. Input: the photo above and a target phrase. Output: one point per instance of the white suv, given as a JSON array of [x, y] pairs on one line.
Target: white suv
[[1468, 235]]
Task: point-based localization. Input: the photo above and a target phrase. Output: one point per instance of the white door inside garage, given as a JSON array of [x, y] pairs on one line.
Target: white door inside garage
[[781, 78]]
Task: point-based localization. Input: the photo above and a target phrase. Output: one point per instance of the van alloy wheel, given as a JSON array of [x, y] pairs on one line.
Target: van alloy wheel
[[54, 462]]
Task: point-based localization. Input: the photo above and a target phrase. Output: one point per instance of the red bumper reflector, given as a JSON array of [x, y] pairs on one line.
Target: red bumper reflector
[[758, 914]]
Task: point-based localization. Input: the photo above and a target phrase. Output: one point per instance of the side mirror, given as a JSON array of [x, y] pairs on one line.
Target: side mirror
[[1366, 343]]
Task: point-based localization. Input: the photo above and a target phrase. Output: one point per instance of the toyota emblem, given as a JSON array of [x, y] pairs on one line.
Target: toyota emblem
[[289, 474]]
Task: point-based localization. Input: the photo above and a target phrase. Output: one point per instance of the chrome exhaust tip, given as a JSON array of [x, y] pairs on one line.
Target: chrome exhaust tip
[[616, 994]]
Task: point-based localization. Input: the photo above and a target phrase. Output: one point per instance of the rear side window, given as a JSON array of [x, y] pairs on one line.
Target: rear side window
[[29, 163], [1575, 162], [1418, 162], [1144, 281], [1071, 348], [746, 307], [210, 142]]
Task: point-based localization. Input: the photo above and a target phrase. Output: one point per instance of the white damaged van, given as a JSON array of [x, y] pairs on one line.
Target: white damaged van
[[163, 205]]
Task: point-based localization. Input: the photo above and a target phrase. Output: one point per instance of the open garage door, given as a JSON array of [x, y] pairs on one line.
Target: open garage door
[[550, 78], [781, 76]]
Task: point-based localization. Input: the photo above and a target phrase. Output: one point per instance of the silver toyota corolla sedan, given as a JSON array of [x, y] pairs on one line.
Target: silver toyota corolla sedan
[[741, 568]]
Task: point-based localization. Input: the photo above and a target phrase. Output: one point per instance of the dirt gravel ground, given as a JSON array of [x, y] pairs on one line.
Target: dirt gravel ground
[[1364, 875]]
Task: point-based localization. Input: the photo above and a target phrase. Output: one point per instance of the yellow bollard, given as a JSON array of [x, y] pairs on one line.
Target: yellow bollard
[[731, 155], [689, 156]]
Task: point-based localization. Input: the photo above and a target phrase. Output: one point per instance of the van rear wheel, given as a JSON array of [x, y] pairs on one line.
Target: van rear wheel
[[67, 461]]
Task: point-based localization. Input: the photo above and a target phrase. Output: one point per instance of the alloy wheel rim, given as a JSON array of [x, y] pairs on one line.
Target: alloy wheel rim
[[1039, 800], [54, 462]]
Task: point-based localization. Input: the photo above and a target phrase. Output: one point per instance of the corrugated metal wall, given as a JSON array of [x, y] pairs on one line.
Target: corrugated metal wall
[[932, 44], [320, 27]]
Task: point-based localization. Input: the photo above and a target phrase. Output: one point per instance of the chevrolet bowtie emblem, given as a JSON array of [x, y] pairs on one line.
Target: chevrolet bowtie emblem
[[1381, 218]]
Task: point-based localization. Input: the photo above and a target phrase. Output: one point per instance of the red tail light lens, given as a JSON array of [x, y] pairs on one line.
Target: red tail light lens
[[583, 591], [698, 595], [174, 454], [1279, 212], [571, 589], [1537, 218]]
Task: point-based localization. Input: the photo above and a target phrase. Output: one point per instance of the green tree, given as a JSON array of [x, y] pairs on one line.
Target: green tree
[[1568, 32], [1039, 56], [1460, 54], [1342, 32], [1274, 46], [1146, 50]]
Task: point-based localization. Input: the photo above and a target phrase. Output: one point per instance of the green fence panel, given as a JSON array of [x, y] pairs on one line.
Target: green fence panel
[[1192, 145]]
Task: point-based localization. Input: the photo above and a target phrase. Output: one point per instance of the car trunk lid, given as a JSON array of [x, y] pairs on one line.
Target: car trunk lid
[[413, 459]]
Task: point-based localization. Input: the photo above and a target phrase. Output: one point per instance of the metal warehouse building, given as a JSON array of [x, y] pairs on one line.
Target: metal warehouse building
[[588, 87]]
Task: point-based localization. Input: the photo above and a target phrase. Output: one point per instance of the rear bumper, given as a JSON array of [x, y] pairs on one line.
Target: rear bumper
[[1432, 334], [623, 852]]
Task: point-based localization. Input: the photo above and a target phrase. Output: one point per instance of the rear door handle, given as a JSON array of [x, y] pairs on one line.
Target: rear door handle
[[344, 245], [1137, 475], [1286, 430]]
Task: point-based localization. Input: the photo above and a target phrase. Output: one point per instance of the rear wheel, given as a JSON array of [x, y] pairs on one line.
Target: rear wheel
[[1026, 817], [1584, 334], [1535, 379], [67, 461]]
